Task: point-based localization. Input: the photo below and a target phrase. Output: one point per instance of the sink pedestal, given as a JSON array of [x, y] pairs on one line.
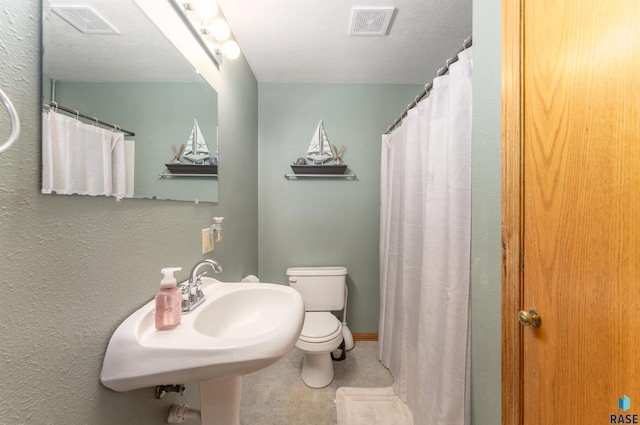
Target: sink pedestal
[[220, 401]]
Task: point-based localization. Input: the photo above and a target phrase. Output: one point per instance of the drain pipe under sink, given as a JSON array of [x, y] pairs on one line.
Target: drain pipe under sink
[[178, 413]]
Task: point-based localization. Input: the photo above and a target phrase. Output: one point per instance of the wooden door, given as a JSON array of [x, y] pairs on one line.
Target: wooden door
[[578, 227]]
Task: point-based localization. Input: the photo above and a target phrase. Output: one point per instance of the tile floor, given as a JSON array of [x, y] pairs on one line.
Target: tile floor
[[277, 396]]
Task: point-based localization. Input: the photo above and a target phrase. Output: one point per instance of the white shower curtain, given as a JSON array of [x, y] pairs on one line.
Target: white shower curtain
[[79, 158], [425, 240]]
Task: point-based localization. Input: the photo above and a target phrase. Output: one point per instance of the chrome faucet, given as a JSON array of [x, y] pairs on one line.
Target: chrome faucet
[[192, 295], [217, 268]]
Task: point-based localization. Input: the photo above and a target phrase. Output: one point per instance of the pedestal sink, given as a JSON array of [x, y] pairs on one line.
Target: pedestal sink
[[240, 328]]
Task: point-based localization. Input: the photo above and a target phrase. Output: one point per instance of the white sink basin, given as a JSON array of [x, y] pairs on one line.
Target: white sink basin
[[240, 328]]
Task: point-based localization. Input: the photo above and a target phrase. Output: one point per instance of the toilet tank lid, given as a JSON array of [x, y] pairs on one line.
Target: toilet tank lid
[[317, 271]]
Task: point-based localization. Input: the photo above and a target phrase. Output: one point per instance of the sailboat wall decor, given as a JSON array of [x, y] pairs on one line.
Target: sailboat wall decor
[[197, 153], [320, 151]]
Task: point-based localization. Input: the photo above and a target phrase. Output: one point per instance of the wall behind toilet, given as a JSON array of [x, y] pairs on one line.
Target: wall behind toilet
[[325, 222]]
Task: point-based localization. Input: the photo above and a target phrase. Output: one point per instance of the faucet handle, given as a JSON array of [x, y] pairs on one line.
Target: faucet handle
[[198, 280], [184, 290], [199, 292]]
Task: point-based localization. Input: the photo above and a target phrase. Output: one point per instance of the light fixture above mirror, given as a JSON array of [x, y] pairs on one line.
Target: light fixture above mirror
[[213, 30]]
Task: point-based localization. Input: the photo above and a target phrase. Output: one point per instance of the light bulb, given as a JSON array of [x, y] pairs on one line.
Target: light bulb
[[219, 29], [231, 49], [207, 9]]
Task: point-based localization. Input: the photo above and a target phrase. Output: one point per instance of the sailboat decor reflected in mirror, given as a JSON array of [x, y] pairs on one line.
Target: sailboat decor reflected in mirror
[[194, 158]]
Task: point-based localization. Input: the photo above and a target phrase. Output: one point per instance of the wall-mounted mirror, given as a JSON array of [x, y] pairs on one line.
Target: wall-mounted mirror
[[135, 78]]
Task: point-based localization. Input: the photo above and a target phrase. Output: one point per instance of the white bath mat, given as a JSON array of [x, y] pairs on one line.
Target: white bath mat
[[371, 406]]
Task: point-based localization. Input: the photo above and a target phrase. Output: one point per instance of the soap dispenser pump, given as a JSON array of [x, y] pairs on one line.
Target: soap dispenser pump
[[168, 301]]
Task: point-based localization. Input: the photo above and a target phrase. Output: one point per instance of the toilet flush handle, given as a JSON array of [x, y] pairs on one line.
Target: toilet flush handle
[[293, 279]]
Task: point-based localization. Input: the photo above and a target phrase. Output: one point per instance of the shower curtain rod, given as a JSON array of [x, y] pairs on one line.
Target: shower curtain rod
[[427, 87], [55, 106]]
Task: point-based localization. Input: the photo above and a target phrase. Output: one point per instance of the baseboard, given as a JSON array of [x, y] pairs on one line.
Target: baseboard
[[365, 336]]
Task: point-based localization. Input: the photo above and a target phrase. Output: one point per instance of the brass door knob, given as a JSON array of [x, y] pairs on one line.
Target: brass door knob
[[529, 318]]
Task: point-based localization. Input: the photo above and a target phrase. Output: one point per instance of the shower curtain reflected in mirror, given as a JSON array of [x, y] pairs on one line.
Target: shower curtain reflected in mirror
[[84, 159], [425, 249]]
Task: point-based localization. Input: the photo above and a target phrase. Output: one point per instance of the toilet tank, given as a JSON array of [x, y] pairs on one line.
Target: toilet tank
[[322, 288]]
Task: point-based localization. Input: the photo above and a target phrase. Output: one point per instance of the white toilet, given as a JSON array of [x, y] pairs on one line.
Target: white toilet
[[323, 291]]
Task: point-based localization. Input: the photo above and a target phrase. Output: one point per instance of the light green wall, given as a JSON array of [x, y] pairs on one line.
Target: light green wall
[[161, 115], [485, 214], [324, 222], [74, 267]]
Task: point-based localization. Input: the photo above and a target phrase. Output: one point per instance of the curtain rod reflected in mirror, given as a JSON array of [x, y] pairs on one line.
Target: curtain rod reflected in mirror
[[54, 105]]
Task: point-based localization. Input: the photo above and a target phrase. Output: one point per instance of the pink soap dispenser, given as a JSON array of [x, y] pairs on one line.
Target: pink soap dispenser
[[168, 301]]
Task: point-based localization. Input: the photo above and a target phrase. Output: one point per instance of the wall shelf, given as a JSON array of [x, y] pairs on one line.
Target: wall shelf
[[290, 176], [169, 175]]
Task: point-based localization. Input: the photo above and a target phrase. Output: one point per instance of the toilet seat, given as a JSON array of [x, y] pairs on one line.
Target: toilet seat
[[320, 326]]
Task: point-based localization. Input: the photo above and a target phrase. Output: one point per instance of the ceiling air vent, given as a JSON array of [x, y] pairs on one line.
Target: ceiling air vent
[[84, 19], [371, 21]]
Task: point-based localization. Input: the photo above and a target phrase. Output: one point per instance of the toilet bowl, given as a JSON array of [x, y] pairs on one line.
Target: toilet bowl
[[321, 334], [323, 291]]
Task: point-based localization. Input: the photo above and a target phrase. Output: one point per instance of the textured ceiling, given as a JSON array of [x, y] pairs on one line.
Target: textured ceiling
[[297, 41], [140, 52], [285, 41]]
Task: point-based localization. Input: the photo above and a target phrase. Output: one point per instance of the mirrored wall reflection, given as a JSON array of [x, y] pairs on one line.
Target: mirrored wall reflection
[[134, 78]]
